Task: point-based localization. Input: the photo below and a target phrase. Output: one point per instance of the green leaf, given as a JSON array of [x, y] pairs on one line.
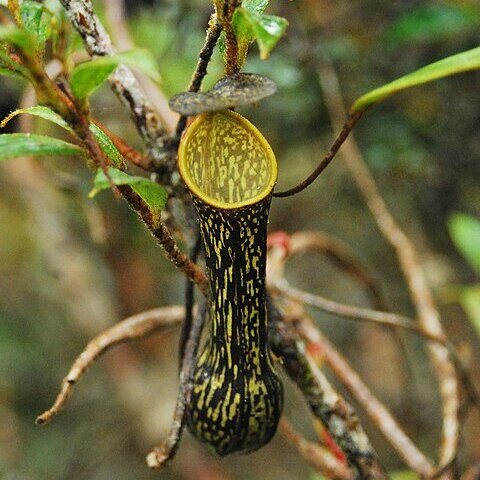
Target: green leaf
[[462, 62], [153, 194], [249, 24], [10, 73], [36, 20], [46, 113], [470, 301], [430, 23], [15, 36], [465, 232], [404, 475], [107, 146], [87, 77], [13, 145], [257, 6], [42, 112]]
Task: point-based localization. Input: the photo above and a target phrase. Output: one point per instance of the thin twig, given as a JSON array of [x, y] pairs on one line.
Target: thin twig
[[189, 300], [315, 455], [277, 282], [422, 298], [132, 328], [165, 240], [330, 155], [231, 46], [213, 32], [376, 410], [354, 313], [160, 456], [81, 123], [342, 255]]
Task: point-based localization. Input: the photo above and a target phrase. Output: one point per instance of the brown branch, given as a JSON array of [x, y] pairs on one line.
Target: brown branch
[[115, 18], [277, 282], [422, 298], [98, 43], [132, 328], [160, 456], [325, 403], [165, 240], [315, 455], [354, 313], [231, 46], [213, 32], [342, 256], [81, 123], [472, 473], [376, 410]]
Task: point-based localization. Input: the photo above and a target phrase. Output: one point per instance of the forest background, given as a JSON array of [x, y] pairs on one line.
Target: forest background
[[69, 270]]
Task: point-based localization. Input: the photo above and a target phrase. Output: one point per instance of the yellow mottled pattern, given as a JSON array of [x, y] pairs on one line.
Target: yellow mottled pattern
[[237, 395], [244, 168]]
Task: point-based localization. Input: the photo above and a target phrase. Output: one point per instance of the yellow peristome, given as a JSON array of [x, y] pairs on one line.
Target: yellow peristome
[[225, 161]]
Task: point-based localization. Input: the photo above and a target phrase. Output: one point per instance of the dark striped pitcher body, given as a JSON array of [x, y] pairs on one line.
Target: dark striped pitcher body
[[230, 171]]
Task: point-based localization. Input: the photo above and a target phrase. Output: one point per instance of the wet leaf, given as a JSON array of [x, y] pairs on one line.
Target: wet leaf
[[257, 6], [13, 145], [39, 111], [37, 21], [46, 113], [107, 146], [250, 25], [88, 76], [153, 194]]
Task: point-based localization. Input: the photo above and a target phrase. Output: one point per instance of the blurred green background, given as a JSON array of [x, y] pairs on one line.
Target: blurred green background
[[70, 266]]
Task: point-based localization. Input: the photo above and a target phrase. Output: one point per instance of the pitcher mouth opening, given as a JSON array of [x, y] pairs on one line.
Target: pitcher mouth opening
[[225, 161]]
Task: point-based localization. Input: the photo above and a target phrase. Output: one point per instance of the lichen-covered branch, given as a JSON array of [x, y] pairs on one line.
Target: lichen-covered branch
[[375, 409], [317, 456], [123, 82], [325, 403]]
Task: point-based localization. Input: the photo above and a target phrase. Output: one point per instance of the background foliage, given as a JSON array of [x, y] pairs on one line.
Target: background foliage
[[70, 266]]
